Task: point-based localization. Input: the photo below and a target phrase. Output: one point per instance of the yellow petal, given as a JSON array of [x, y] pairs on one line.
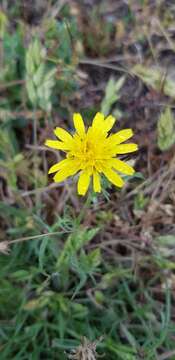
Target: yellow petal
[[58, 166], [63, 134], [55, 144], [79, 124], [126, 148], [96, 182], [113, 177], [66, 171], [108, 123], [120, 136], [122, 167], [99, 166], [98, 121], [61, 175], [83, 182]]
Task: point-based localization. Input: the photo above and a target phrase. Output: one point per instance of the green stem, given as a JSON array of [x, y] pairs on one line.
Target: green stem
[[35, 140], [68, 243], [83, 210]]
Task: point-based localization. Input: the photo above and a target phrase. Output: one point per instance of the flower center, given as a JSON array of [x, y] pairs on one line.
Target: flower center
[[89, 153]]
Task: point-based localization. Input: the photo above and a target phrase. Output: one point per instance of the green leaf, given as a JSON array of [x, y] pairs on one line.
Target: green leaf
[[30, 66], [124, 352], [39, 80], [21, 275], [111, 94], [150, 76], [38, 77], [168, 240], [31, 91], [155, 77], [140, 201], [50, 74], [112, 277], [79, 311], [74, 243], [94, 259], [3, 24], [37, 52], [166, 130]]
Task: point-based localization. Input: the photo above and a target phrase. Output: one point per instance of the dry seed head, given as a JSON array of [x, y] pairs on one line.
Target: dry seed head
[[86, 351], [4, 247]]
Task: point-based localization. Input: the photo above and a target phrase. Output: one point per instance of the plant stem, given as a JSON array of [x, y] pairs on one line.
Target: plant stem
[[83, 209], [35, 141]]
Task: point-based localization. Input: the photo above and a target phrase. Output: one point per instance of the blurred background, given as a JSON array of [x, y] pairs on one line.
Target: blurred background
[[107, 269]]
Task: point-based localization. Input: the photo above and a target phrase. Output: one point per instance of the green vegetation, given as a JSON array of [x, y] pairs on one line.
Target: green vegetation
[[100, 267]]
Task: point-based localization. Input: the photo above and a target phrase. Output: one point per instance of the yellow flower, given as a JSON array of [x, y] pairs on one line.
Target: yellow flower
[[92, 152]]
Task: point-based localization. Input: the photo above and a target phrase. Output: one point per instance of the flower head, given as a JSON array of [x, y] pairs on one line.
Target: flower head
[[92, 152]]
